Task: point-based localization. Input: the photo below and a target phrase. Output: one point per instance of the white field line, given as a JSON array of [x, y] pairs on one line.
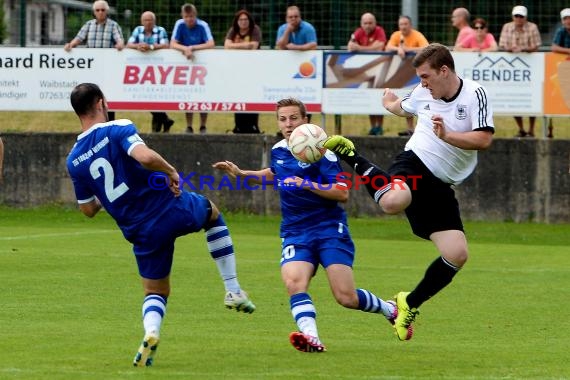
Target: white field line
[[60, 234]]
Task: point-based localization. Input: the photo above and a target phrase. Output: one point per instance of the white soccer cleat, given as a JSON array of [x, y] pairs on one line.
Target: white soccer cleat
[[239, 301], [147, 350]]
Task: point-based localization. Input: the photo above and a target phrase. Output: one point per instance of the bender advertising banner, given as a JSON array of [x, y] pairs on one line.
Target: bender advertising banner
[[215, 80], [514, 82], [354, 83]]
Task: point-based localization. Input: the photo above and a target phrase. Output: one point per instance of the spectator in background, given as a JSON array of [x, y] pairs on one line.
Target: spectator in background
[[460, 20], [149, 37], [296, 34], [369, 37], [101, 32], [244, 34], [190, 34], [481, 41], [406, 40], [518, 36], [561, 44], [561, 40]]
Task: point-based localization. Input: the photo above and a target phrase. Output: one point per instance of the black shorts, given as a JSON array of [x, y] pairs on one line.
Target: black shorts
[[434, 207]]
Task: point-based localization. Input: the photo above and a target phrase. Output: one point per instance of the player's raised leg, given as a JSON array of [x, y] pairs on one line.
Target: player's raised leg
[[393, 195], [341, 280]]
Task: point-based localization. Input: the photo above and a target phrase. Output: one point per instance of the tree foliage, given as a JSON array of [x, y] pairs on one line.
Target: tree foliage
[[3, 27]]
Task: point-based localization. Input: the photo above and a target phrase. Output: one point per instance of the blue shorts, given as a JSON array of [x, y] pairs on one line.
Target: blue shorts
[[325, 245], [153, 244]]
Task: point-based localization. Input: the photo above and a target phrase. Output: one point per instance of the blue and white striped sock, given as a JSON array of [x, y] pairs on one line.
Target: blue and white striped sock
[[221, 248], [153, 310], [304, 313], [369, 303]]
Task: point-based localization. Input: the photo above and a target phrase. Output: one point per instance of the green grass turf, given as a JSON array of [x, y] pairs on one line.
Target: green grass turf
[[71, 300]]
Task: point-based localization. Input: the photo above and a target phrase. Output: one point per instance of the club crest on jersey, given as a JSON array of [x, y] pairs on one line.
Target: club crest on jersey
[[461, 112], [303, 165]]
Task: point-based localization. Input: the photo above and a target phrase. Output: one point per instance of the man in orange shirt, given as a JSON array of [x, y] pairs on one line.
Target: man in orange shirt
[[406, 40]]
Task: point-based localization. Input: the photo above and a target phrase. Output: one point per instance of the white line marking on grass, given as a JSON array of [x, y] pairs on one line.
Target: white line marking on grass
[[60, 234]]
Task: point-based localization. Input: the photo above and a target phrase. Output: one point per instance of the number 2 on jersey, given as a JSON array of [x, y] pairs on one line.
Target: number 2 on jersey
[[111, 192]]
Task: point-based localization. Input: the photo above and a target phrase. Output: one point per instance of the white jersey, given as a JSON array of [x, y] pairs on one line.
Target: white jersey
[[468, 110]]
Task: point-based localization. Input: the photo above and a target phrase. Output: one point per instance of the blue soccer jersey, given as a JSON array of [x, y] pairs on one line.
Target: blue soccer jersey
[[301, 208], [100, 166], [200, 33]]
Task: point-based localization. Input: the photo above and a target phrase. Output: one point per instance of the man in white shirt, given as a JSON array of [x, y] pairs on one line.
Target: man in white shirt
[[455, 120]]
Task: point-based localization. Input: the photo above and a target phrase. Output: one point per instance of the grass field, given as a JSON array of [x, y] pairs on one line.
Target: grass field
[[71, 300], [223, 123]]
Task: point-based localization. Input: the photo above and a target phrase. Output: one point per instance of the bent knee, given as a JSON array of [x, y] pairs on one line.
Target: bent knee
[[347, 300], [395, 201], [457, 258], [295, 286]]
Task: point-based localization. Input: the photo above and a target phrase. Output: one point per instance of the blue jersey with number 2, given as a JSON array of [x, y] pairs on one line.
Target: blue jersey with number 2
[[100, 166]]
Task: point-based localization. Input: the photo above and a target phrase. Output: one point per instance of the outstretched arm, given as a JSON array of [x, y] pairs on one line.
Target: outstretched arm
[[335, 192], [393, 103], [253, 176]]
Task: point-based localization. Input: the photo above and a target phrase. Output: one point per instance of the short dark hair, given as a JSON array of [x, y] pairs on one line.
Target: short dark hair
[[84, 98], [189, 8], [292, 102], [436, 55]]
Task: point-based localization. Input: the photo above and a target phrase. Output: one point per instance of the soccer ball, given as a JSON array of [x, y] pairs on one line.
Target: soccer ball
[[306, 143]]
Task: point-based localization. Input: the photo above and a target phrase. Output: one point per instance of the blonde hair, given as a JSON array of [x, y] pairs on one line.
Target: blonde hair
[[292, 102]]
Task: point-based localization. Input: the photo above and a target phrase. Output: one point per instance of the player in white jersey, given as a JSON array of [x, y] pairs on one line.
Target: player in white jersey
[[314, 230], [455, 120], [111, 167]]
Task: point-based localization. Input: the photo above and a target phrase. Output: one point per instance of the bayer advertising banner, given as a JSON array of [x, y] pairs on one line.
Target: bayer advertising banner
[[217, 80]]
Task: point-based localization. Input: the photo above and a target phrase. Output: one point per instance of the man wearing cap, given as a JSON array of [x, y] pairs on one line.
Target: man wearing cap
[[520, 35], [561, 40], [561, 44]]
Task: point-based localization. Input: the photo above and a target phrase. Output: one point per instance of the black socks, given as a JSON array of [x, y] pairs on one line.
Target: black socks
[[438, 275]]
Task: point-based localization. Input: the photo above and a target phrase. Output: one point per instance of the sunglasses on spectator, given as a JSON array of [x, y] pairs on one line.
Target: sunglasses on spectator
[[519, 16], [100, 10]]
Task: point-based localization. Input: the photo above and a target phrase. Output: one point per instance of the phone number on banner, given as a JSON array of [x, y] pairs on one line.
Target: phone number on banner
[[212, 106]]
